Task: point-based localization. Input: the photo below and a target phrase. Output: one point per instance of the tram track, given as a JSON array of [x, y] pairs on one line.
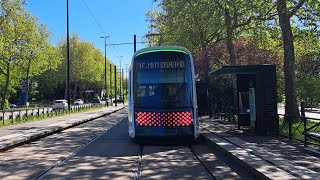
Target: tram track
[[198, 160], [143, 165], [138, 165], [202, 163], [71, 154]]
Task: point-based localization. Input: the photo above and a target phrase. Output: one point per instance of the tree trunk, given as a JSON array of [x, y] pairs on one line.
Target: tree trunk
[[229, 38], [66, 90], [80, 91], [232, 54], [27, 81], [5, 94], [230, 46], [74, 91], [289, 65]]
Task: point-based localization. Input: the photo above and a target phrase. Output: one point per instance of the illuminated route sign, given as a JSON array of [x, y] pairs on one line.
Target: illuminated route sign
[[161, 65]]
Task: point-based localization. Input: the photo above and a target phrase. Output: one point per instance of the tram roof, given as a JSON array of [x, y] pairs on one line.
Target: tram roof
[[162, 49]]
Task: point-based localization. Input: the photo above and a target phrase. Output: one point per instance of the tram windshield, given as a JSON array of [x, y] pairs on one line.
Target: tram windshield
[[162, 80]]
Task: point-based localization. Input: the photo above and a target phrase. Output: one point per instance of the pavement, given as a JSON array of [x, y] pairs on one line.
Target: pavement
[[15, 135], [267, 157]]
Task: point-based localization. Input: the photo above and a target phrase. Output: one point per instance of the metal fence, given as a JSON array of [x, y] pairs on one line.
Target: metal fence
[[300, 128], [224, 113], [13, 116]]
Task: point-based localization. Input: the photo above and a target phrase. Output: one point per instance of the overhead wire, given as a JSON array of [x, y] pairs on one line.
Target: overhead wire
[[96, 21], [94, 18]]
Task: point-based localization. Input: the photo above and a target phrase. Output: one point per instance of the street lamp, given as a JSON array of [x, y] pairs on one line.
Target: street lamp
[[68, 58], [120, 73], [105, 66]]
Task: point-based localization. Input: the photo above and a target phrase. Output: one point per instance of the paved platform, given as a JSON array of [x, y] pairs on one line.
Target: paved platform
[[268, 157], [14, 135]]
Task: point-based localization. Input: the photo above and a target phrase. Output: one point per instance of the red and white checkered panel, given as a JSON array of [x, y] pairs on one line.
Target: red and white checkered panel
[[164, 119]]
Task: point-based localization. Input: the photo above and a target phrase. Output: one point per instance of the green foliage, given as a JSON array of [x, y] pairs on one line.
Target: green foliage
[[186, 23], [308, 69], [202, 25], [6, 104], [86, 70], [16, 25]]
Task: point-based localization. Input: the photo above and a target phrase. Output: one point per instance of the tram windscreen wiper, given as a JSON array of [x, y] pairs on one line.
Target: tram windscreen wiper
[[172, 99]]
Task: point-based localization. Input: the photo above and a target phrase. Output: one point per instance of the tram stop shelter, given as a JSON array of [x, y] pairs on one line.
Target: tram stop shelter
[[256, 88]]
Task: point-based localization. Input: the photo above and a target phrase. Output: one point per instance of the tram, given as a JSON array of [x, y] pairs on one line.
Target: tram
[[162, 94]]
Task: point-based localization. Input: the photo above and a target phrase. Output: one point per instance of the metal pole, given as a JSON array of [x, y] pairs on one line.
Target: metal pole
[[68, 58], [290, 127], [105, 68], [115, 85], [135, 43], [122, 86], [110, 93], [127, 76], [303, 115]]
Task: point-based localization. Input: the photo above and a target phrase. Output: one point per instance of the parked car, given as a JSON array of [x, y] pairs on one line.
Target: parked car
[[78, 102], [60, 104], [96, 101], [12, 105], [120, 99]]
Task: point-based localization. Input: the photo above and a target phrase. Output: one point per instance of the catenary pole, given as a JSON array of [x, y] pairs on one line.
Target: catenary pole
[[68, 58], [105, 67], [115, 85]]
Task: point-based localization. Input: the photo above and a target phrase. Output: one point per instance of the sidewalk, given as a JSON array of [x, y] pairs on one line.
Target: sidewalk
[[267, 157], [15, 135]]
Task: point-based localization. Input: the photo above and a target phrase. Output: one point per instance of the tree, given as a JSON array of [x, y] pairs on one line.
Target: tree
[[185, 23], [248, 53], [86, 67], [14, 31], [307, 52], [38, 54], [286, 10], [238, 15]]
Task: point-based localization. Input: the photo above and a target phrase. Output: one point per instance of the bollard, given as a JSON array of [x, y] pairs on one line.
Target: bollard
[[12, 117], [303, 115], [290, 128], [3, 117]]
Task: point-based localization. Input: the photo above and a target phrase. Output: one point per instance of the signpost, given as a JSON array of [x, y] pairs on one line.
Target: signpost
[[23, 91]]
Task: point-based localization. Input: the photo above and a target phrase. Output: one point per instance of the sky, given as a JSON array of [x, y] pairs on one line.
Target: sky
[[119, 19]]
